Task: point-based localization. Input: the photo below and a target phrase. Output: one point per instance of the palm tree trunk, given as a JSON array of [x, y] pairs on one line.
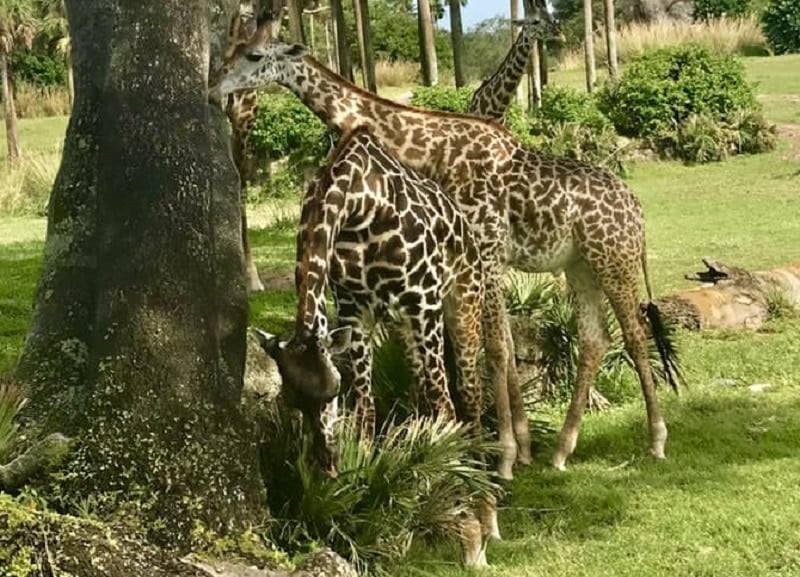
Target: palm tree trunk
[[12, 133], [611, 39], [361, 9], [296, 31], [457, 38], [514, 31], [588, 33], [430, 68], [70, 81], [340, 33]]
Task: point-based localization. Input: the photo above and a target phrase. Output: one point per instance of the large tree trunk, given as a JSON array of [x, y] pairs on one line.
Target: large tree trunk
[[137, 346], [457, 38], [12, 133], [361, 8], [588, 46], [427, 44], [342, 47]]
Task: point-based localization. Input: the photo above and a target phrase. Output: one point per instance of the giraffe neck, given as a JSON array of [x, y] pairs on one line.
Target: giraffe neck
[[493, 97], [412, 136], [321, 219]]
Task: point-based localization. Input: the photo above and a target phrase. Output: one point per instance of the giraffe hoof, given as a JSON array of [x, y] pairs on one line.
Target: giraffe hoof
[[559, 463], [255, 285], [658, 453]]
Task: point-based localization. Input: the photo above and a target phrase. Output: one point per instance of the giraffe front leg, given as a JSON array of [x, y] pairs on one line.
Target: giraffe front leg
[[360, 357], [519, 416]]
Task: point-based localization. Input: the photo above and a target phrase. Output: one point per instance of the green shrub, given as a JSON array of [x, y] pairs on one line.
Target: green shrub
[[442, 98], [753, 134], [781, 23], [567, 105], [710, 9], [285, 127], [662, 88], [11, 402], [38, 68], [414, 482]]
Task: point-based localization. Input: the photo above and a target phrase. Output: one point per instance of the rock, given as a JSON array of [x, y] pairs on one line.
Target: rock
[[262, 382], [324, 563], [758, 387], [725, 382]]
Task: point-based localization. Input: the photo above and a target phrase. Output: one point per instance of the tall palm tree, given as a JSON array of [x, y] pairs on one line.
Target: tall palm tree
[[588, 45], [55, 25], [17, 26], [361, 10], [611, 39], [430, 68], [457, 37]]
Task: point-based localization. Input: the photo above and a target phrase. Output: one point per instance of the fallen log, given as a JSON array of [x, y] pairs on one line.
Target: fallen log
[[730, 297]]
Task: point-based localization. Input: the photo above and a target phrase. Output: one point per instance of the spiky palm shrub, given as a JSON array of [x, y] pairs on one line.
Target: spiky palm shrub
[[11, 402], [545, 299], [415, 482]]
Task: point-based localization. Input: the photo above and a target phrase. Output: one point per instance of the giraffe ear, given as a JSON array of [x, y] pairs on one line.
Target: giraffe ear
[[296, 50], [338, 340], [268, 341]]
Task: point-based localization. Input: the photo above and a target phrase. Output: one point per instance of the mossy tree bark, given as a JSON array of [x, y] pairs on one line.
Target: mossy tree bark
[[137, 346]]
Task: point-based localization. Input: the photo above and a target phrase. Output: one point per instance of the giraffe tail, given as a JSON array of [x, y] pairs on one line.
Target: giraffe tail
[[662, 333]]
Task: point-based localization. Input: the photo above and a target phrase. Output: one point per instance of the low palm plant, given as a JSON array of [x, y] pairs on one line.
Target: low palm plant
[[11, 402], [415, 481]]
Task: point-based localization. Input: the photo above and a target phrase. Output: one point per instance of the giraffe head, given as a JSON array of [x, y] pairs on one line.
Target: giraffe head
[[310, 382], [257, 64], [539, 21]]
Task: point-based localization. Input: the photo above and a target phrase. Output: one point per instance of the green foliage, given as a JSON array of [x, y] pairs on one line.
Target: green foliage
[[285, 127], [11, 402], [38, 68], [664, 87], [550, 308], [442, 98], [781, 23], [413, 483], [709, 9], [701, 138]]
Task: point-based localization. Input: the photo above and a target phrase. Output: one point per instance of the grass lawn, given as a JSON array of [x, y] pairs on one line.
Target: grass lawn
[[725, 503]]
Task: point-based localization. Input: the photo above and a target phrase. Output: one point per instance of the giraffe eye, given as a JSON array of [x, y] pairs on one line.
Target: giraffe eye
[[254, 56]]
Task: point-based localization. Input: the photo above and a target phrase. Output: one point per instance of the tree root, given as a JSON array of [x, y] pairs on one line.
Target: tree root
[[44, 456]]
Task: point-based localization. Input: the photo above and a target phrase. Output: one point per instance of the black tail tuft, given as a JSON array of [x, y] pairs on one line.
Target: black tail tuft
[[662, 335]]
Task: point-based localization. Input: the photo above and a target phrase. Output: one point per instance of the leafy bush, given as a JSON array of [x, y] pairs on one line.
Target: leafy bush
[[781, 22], [664, 87], [38, 68], [442, 98], [285, 127], [710, 9], [416, 484], [701, 139]]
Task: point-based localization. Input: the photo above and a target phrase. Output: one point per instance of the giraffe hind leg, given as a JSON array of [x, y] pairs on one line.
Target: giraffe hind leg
[[593, 342]]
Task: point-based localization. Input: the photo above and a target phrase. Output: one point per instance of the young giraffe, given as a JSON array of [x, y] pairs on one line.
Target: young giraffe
[[385, 239], [241, 108], [496, 93], [529, 210]]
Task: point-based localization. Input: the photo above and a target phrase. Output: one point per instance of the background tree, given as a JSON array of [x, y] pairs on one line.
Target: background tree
[[294, 8], [588, 46], [17, 26], [345, 69], [54, 25], [366, 53], [427, 46], [457, 37], [611, 39], [137, 344]]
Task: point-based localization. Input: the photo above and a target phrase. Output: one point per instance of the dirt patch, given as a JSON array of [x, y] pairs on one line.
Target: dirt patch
[[792, 133]]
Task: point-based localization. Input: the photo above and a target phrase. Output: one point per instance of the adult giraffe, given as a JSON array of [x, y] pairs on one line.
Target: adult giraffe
[[530, 210], [496, 93]]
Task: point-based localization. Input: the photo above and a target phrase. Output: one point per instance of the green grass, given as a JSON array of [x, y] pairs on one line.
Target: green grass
[[39, 135]]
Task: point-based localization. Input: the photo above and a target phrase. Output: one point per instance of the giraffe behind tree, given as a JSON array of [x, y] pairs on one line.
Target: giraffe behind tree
[[528, 209]]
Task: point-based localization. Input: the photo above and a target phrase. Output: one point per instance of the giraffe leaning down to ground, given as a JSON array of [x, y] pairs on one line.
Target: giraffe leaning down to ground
[[496, 93], [385, 239], [529, 210]]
